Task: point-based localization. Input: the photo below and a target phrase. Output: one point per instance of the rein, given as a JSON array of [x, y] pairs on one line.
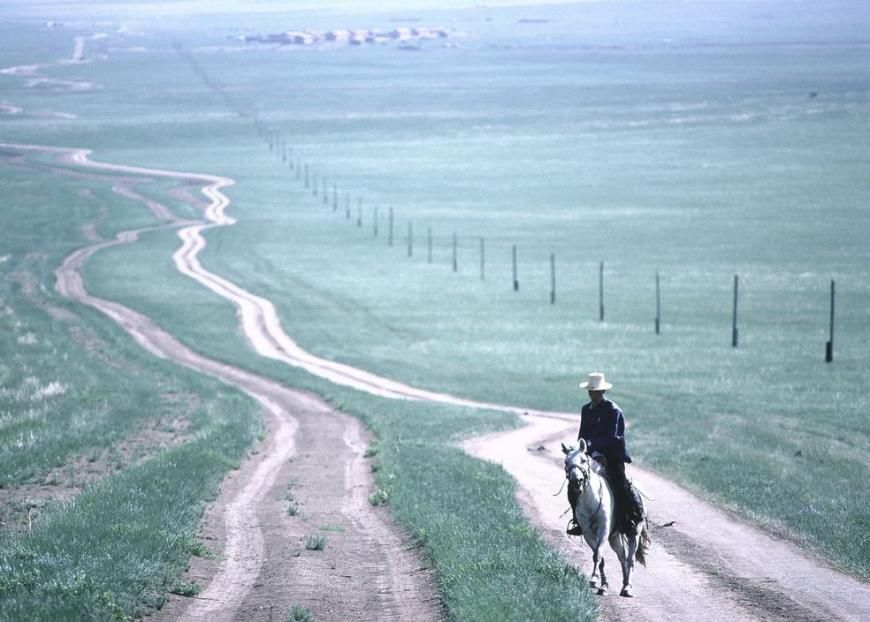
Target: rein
[[587, 473]]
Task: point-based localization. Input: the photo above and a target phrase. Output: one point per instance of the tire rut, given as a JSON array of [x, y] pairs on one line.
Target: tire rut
[[258, 549], [706, 564]]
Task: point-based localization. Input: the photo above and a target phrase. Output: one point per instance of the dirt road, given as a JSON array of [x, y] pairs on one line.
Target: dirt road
[[312, 458], [705, 564]]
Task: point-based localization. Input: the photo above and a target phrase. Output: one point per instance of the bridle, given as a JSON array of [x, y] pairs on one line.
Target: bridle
[[585, 469]]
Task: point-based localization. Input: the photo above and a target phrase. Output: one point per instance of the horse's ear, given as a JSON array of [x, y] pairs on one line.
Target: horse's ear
[[582, 445], [565, 450]]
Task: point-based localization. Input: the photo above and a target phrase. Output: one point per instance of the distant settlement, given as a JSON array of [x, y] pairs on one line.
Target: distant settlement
[[350, 37]]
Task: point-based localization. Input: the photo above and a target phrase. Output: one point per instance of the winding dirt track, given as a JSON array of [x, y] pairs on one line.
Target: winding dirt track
[[367, 571], [705, 565]]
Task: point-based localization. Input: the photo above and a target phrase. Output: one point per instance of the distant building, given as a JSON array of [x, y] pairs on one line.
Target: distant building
[[349, 37], [299, 37], [337, 35]]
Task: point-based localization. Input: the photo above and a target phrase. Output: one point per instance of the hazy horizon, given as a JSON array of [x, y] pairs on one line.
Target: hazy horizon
[[594, 22]]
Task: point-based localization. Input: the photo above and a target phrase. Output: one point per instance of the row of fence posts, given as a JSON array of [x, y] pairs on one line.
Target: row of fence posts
[[310, 180], [276, 140]]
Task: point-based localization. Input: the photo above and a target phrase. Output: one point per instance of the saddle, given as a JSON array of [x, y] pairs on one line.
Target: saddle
[[633, 509], [599, 463]]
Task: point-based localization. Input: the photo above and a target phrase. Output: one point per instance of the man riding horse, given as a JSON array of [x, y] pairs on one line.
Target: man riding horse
[[602, 426]]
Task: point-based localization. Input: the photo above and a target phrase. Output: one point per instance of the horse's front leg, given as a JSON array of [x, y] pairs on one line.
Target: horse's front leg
[[625, 547], [595, 579], [597, 542], [603, 589]]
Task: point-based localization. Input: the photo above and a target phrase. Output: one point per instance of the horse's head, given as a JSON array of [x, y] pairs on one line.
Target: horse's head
[[577, 465]]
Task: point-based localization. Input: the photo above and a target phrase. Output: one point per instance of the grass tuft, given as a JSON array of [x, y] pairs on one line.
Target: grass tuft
[[315, 543], [185, 588], [297, 613], [379, 497]]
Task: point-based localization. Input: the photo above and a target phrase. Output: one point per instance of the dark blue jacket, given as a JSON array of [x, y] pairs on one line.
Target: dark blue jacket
[[603, 428]]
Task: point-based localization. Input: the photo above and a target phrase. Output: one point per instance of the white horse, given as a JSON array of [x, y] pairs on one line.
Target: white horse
[[594, 513]]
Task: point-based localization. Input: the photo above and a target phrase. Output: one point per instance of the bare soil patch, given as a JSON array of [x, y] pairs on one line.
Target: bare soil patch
[[366, 570], [31, 290], [21, 506]]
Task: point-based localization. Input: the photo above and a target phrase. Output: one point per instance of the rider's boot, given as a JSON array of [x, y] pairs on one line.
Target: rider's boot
[[573, 528], [633, 509]]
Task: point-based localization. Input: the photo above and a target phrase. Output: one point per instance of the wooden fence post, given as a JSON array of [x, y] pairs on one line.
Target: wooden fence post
[[658, 305], [516, 283], [306, 175], [410, 239], [375, 222], [552, 278], [482, 260], [601, 292], [325, 193], [734, 316], [334, 197], [829, 347]]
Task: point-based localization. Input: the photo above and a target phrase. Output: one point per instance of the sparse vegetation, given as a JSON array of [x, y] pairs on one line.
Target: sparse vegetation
[[297, 613], [72, 389], [292, 505], [379, 497], [86, 472], [185, 588], [315, 543], [198, 549]]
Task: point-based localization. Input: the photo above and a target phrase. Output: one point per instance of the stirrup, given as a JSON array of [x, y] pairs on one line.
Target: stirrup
[[573, 528]]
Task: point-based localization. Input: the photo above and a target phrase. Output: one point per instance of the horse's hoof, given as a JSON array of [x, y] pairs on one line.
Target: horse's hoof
[[602, 591], [593, 583], [626, 592]]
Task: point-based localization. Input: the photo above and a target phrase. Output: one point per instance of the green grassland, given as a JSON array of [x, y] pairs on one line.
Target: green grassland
[[58, 570], [108, 455], [762, 184]]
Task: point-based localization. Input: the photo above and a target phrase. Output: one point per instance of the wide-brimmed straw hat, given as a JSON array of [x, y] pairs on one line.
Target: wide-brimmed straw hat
[[596, 382]]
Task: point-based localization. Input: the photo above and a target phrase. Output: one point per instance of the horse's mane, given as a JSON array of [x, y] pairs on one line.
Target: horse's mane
[[574, 452]]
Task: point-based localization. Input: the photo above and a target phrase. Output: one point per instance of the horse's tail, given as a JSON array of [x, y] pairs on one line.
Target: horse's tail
[[643, 543]]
